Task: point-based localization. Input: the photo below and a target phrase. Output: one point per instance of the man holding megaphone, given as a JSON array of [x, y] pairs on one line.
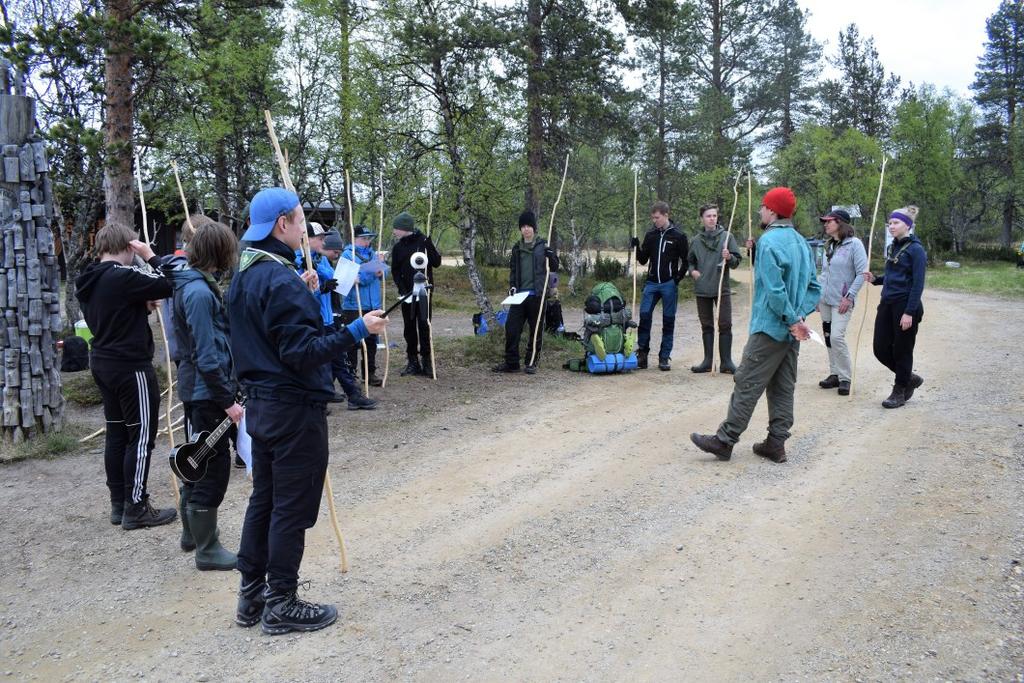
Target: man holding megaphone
[[414, 252]]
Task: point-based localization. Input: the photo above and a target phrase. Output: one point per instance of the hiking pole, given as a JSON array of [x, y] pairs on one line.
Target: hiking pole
[[547, 265], [867, 290], [383, 287], [359, 301], [722, 266]]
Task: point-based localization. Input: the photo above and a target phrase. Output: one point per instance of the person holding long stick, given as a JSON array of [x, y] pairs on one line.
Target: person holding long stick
[[282, 353], [710, 251], [409, 241], [787, 292], [900, 310], [526, 274]]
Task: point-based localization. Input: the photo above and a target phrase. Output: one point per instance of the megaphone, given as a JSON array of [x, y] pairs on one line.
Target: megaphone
[[418, 260]]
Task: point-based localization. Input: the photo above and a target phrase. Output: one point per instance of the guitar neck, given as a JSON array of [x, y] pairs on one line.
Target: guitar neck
[[215, 435]]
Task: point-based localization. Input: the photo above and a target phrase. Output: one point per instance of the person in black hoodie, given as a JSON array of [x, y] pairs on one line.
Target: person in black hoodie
[[416, 315], [206, 384], [526, 268], [116, 299], [900, 310], [665, 247]]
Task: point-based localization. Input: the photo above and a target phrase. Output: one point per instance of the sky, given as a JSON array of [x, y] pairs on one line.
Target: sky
[[924, 41]]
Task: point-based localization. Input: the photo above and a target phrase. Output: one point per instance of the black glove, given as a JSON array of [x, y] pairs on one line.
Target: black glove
[[549, 252], [511, 291], [328, 285], [635, 243]]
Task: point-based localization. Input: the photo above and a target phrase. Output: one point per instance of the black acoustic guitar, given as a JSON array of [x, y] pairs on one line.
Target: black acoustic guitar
[[189, 460]]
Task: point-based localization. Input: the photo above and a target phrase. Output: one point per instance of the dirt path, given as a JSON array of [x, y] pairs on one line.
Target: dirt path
[[561, 527]]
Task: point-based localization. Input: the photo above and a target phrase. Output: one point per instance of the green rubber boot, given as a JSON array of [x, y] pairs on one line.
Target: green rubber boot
[[210, 554], [188, 544]]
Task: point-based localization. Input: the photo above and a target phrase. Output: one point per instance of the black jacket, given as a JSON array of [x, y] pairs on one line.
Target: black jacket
[[401, 270], [113, 299], [540, 248], [905, 265], [278, 341], [666, 250]]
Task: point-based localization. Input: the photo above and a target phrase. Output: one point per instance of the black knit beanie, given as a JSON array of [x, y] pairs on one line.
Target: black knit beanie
[[527, 218]]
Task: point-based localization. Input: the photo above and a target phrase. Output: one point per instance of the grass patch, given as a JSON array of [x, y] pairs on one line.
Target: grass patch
[[80, 388], [47, 446], [996, 278], [489, 349]]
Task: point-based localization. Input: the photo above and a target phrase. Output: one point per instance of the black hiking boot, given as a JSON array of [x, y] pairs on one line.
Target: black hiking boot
[[530, 369], [411, 368], [139, 515], [251, 601], [897, 398], [374, 380], [844, 387], [360, 402], [641, 359], [210, 554], [187, 542], [428, 368], [710, 443], [285, 612], [708, 338], [830, 382], [116, 512], [772, 448], [505, 367], [915, 383], [664, 364], [725, 364]]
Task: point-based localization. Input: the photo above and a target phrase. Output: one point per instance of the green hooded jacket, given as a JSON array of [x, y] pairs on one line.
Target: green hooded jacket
[[706, 256]]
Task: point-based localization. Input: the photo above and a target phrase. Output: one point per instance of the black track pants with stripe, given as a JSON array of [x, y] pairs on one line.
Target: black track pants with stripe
[[131, 408]]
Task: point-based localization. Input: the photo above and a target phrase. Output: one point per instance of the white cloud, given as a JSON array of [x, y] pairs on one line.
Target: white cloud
[[924, 41]]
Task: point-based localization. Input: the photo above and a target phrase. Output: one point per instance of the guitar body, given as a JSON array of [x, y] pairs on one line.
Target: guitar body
[[189, 460]]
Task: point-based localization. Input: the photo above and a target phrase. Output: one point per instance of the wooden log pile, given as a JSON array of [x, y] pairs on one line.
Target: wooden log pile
[[31, 400]]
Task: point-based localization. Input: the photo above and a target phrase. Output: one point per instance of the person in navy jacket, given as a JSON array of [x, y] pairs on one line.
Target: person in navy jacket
[[282, 353]]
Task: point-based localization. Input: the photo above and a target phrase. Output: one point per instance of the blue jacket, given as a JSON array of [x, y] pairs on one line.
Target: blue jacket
[[325, 271], [785, 286], [369, 283], [904, 276], [279, 342], [206, 372]]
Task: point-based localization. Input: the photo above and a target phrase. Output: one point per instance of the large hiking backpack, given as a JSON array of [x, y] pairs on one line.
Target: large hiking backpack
[[606, 339], [75, 356]]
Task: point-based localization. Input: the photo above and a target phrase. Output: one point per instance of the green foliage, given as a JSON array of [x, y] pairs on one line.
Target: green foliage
[[999, 278], [608, 268]]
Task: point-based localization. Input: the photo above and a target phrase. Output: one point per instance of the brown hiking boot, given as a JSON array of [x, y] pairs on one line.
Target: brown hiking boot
[[897, 398], [772, 448], [915, 383], [710, 443]]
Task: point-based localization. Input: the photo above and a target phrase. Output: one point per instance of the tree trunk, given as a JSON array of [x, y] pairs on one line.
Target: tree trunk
[[576, 256], [345, 96], [659, 155], [534, 112], [717, 86], [118, 183], [220, 180]]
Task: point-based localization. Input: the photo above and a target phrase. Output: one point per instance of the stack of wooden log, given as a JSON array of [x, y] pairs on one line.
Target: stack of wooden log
[[31, 400]]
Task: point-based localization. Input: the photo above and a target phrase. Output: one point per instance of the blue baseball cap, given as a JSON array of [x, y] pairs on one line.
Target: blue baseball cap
[[266, 207]]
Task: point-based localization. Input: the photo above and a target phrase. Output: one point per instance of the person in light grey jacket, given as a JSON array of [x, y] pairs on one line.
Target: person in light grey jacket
[[841, 278]]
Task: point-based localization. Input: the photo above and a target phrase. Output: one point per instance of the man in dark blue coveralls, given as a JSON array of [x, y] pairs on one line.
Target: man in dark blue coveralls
[[282, 354]]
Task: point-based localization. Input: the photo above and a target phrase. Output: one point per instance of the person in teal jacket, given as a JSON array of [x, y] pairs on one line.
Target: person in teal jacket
[[786, 290], [362, 252]]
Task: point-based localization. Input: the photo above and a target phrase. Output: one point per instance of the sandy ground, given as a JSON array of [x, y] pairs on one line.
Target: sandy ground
[[562, 527]]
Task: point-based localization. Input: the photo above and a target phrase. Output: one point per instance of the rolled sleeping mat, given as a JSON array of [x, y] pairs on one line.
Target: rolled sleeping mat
[[613, 362]]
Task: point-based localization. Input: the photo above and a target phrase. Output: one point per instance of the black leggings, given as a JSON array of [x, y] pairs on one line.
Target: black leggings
[[894, 347]]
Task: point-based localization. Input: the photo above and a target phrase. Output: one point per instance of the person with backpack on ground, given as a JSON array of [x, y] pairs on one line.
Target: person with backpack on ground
[[369, 284], [900, 310], [415, 315], [841, 280], [665, 247], [785, 292], [117, 298], [206, 384], [282, 352], [531, 257], [709, 250]]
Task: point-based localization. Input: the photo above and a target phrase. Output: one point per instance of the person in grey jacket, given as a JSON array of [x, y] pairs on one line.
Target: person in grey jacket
[[709, 248], [841, 280], [206, 385]]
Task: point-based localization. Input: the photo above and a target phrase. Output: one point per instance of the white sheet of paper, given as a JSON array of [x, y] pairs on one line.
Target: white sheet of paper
[[345, 272], [815, 337], [243, 445], [515, 299]]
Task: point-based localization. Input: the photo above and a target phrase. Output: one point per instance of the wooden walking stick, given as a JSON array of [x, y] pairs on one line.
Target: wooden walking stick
[[867, 290], [725, 261], [547, 266], [160, 319], [287, 180], [430, 326], [383, 287], [359, 300], [632, 249]]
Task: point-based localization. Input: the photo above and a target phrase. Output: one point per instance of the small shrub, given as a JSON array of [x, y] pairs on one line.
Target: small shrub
[[81, 389], [608, 269]]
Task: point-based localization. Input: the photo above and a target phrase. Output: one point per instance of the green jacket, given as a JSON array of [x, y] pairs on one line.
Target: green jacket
[[706, 256], [785, 286]]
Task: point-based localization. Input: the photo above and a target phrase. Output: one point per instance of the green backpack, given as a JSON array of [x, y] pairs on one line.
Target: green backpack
[[606, 320]]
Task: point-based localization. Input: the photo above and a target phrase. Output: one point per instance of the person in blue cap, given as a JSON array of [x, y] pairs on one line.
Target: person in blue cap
[[282, 353], [341, 368], [369, 282]]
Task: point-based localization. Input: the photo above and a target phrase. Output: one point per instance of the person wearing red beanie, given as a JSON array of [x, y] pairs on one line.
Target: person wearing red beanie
[[786, 290]]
